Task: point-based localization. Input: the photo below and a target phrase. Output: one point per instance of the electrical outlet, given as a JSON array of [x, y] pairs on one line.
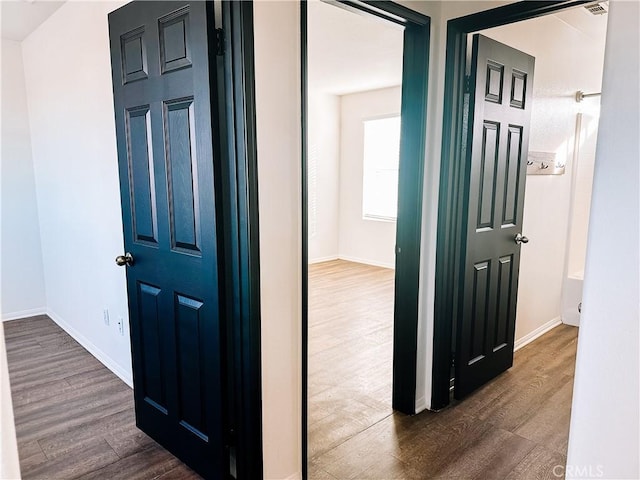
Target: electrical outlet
[[121, 326], [105, 316]]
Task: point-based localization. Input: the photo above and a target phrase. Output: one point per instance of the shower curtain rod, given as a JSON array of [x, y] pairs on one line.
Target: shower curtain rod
[[580, 95]]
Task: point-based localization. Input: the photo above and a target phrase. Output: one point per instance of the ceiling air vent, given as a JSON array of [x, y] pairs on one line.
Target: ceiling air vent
[[596, 8]]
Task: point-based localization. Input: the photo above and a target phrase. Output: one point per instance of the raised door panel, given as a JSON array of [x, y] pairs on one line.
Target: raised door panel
[[191, 368], [480, 310], [486, 204], [502, 334], [518, 89], [512, 176], [141, 175], [182, 175], [494, 82], [154, 375], [175, 46], [134, 56]]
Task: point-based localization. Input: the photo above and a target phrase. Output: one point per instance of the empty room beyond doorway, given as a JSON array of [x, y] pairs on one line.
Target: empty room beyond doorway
[[354, 89]]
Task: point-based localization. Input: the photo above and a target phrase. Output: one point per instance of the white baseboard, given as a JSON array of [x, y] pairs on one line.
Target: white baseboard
[[538, 332], [32, 312], [294, 476], [323, 259], [421, 404], [105, 359], [366, 261], [573, 320]]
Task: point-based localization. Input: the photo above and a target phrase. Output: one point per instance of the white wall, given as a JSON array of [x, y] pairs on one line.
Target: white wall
[[68, 83], [323, 175], [277, 62], [567, 60], [604, 434], [22, 292], [336, 141], [583, 179], [360, 240]]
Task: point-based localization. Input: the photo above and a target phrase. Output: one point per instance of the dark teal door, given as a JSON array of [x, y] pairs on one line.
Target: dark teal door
[[500, 91], [164, 109]]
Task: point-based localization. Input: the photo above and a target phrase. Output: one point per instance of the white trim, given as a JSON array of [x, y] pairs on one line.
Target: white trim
[[328, 258], [538, 332], [421, 403], [379, 218], [105, 359], [374, 263], [294, 476], [32, 312], [349, 258]]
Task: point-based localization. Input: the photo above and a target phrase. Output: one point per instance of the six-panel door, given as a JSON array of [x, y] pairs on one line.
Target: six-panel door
[[166, 153], [497, 145]]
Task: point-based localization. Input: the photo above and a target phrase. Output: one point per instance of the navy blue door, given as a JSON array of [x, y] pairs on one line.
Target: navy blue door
[[164, 95]]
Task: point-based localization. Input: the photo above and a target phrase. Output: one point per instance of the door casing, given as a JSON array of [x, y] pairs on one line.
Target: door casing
[[410, 195], [453, 195], [241, 240]]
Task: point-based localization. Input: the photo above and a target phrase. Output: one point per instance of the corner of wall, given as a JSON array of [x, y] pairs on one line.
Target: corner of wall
[[125, 375], [23, 291]]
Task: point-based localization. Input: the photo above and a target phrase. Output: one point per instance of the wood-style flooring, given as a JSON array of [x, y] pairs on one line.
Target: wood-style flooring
[[515, 427], [74, 418]]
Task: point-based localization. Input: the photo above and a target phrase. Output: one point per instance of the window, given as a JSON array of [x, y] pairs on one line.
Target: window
[[380, 172]]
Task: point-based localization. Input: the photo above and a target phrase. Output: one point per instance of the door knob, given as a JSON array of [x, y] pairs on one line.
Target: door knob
[[521, 239], [126, 259]]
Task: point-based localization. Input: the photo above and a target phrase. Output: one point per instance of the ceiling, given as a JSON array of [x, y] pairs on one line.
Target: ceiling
[[579, 18], [351, 53], [21, 17], [347, 52]]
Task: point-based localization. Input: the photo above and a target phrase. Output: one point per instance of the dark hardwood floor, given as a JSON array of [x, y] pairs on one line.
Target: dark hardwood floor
[[515, 427], [74, 418]]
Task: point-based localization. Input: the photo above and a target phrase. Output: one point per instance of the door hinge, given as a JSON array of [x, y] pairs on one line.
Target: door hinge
[[220, 46], [467, 84]]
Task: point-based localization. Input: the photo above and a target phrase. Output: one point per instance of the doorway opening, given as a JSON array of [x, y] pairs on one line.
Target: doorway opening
[[354, 95], [567, 41], [364, 108]]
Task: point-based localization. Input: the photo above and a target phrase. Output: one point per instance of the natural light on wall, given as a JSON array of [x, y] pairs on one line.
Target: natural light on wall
[[380, 172]]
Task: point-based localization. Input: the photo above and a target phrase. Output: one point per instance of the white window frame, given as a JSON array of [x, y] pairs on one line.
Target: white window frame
[[366, 171]]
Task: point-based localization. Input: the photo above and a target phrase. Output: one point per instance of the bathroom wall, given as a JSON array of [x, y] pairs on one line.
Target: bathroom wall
[[567, 60]]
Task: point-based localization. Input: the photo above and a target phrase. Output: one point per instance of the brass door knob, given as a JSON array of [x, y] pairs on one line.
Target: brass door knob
[[126, 259]]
